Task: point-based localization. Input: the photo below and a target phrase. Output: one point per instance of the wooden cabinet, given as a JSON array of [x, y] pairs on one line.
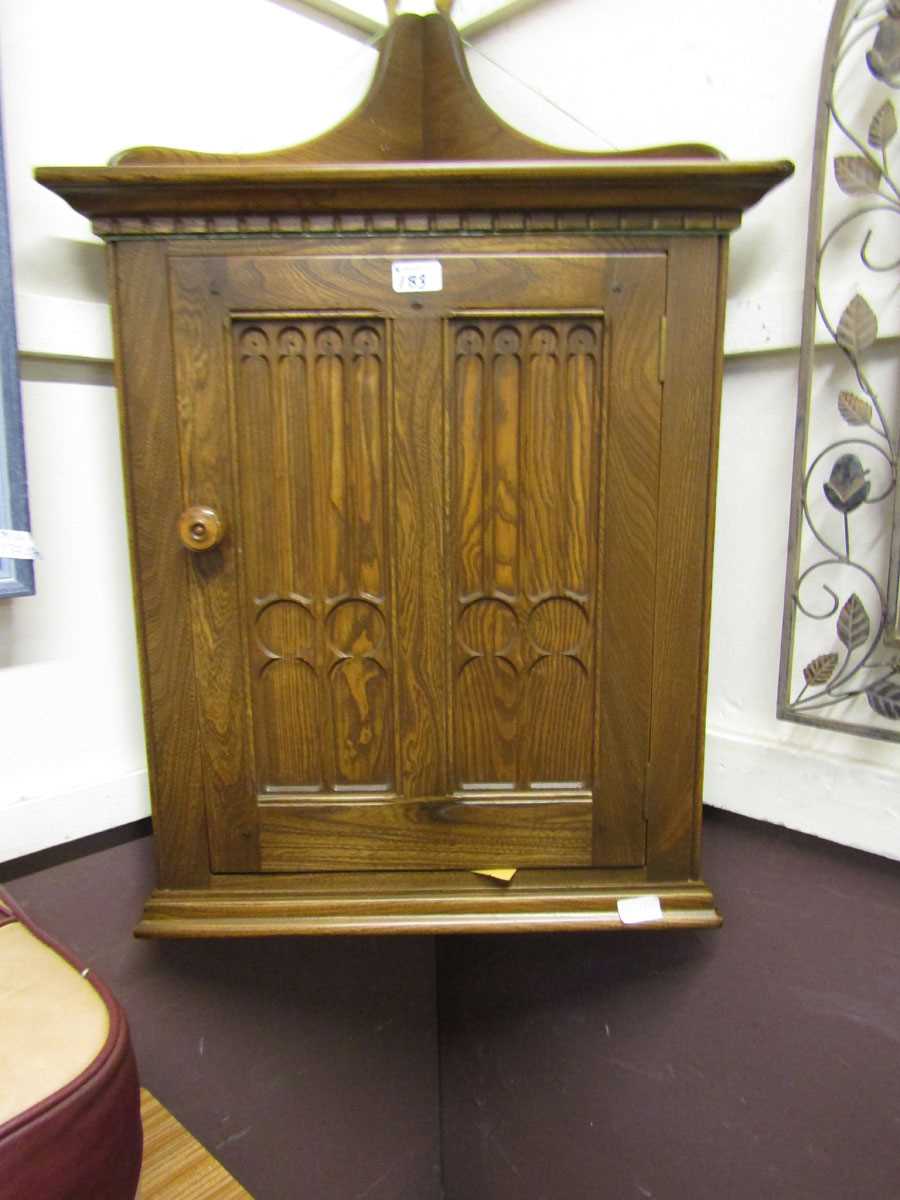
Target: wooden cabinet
[[422, 576], [405, 633]]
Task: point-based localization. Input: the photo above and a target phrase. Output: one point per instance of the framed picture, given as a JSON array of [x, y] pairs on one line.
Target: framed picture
[[16, 574]]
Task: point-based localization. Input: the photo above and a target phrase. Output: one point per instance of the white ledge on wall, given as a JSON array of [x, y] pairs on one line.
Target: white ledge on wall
[[844, 800], [60, 327], [33, 823], [769, 322]]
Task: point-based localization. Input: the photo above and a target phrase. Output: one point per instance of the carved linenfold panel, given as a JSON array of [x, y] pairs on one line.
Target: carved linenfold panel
[[310, 426], [288, 695], [487, 694], [361, 695], [524, 479]]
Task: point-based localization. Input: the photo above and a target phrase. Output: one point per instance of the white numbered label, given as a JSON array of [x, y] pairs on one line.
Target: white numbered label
[[636, 910], [424, 276]]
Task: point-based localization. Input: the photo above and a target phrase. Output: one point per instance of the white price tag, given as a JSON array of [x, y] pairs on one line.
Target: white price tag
[[636, 910], [424, 276], [17, 543]]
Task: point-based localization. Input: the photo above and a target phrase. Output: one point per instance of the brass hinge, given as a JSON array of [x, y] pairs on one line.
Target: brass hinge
[[663, 346]]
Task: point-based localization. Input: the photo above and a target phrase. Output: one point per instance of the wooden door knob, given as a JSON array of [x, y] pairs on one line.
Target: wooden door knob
[[200, 528]]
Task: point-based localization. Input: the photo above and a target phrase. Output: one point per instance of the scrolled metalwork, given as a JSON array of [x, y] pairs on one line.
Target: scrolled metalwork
[[839, 668]]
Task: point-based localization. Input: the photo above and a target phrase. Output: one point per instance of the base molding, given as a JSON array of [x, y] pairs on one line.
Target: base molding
[[220, 912]]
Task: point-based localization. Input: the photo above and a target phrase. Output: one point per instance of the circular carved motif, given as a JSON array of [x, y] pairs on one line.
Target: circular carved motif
[[356, 627], [285, 628], [557, 625], [488, 627], [507, 340], [291, 343], [328, 342], [544, 340], [365, 342], [470, 341], [254, 343], [582, 340]]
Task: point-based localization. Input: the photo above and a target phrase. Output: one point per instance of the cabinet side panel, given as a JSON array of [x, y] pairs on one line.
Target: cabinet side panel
[[202, 380], [682, 616], [712, 480], [147, 408], [631, 508]]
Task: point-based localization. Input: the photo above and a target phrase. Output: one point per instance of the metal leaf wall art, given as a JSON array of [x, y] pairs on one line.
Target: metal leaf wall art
[[840, 663]]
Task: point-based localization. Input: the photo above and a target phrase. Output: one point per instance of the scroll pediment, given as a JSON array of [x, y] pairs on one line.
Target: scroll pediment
[[422, 142], [422, 106]]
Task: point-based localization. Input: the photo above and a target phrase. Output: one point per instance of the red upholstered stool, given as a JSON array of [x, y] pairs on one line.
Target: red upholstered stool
[[70, 1123]]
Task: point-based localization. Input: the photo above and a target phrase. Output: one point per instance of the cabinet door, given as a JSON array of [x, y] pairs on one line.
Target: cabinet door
[[425, 640]]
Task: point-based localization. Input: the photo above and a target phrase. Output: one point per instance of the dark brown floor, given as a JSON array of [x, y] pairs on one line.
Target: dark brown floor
[[307, 1067], [761, 1062]]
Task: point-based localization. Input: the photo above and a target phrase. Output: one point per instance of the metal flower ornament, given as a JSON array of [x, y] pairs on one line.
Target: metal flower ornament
[[840, 665]]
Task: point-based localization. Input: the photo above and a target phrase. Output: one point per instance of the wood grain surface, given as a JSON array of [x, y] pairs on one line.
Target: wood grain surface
[[311, 423], [626, 649], [683, 577], [371, 835], [525, 420], [422, 907], [565, 185], [219, 639], [151, 462], [176, 1166], [421, 508]]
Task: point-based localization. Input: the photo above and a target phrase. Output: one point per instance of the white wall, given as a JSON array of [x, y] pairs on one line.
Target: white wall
[[83, 81]]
